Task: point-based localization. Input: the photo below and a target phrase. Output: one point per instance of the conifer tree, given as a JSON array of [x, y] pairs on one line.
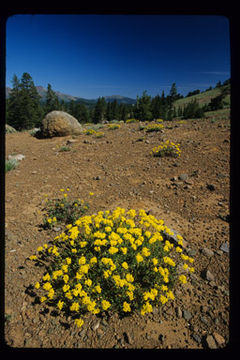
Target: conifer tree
[[52, 102], [24, 110], [99, 111], [143, 108], [13, 104]]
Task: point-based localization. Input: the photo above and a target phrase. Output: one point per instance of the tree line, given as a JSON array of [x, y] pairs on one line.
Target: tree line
[[25, 109]]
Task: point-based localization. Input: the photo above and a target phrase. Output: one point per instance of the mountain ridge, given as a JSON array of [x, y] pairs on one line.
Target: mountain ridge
[[66, 97]]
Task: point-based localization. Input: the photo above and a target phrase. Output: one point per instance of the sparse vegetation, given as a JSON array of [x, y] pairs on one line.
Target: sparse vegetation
[[62, 210], [10, 164]]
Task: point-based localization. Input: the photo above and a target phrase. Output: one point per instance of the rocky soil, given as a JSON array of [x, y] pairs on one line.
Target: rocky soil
[[190, 193]]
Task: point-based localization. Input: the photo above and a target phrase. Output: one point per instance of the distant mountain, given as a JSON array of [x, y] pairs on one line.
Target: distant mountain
[[43, 93], [120, 99]]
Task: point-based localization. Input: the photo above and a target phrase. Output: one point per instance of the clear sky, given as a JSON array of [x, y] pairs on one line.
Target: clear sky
[[101, 55]]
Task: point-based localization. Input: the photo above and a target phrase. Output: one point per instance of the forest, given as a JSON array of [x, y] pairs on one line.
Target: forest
[[25, 108]]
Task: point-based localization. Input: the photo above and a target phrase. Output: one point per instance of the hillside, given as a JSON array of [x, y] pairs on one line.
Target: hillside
[[203, 98], [191, 195]]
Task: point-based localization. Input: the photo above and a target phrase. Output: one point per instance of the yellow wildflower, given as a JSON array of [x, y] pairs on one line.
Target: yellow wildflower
[[105, 304], [129, 278], [79, 322], [74, 306], [163, 299], [146, 251], [47, 286], [126, 307], [66, 288], [139, 257], [60, 304], [37, 285], [183, 279]]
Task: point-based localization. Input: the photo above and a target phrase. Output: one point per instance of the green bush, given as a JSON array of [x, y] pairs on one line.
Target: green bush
[[119, 261], [10, 164]]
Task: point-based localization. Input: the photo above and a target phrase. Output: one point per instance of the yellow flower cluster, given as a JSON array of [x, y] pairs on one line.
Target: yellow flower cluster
[[114, 126], [166, 148], [154, 127], [119, 260], [129, 121]]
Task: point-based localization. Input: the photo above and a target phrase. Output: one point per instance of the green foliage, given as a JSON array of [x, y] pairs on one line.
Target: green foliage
[[216, 103], [143, 108], [64, 148], [63, 210], [118, 261], [10, 164], [192, 110], [24, 110], [52, 102]]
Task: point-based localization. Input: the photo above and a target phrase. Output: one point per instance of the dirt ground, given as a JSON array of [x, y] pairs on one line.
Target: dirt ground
[[119, 170]]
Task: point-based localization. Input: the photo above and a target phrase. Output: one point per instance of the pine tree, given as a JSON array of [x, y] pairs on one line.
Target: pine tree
[[109, 115], [52, 102], [24, 110], [99, 111], [156, 107], [13, 104], [173, 93], [143, 108]]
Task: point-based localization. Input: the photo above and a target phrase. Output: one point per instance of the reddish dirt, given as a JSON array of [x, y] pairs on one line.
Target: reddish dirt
[[129, 177]]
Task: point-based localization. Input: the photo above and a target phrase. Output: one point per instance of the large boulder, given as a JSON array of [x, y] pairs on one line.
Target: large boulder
[[60, 123]]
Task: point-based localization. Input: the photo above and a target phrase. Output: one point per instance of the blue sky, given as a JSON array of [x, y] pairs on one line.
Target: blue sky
[[99, 55]]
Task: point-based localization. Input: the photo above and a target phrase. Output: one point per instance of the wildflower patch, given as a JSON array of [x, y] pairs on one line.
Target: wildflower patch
[[166, 148], [119, 261]]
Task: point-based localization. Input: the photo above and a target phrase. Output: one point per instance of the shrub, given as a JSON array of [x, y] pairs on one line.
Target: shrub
[[114, 126], [10, 164], [99, 134], [129, 121], [118, 261], [89, 131], [63, 210], [64, 148], [166, 148], [154, 127]]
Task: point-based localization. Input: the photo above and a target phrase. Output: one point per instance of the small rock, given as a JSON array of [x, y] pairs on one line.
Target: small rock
[[191, 252], [179, 312], [18, 157], [96, 326], [207, 275], [211, 187], [71, 141], [187, 315], [197, 338], [219, 252], [204, 320], [98, 177], [161, 338], [34, 172], [127, 337], [207, 252], [225, 247], [211, 344], [183, 177], [56, 229], [218, 338]]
